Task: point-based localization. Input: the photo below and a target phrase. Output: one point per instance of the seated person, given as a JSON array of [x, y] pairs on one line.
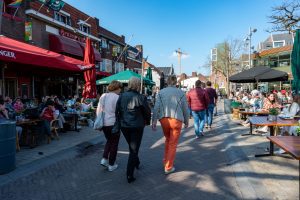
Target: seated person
[[48, 114], [18, 106], [9, 107], [59, 109], [269, 102], [4, 115], [87, 105], [291, 111]]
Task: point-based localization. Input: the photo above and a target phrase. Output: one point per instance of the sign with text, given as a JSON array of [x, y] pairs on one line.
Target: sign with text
[[28, 31]]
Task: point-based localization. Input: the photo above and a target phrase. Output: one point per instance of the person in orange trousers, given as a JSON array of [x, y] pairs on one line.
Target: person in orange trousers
[[171, 109]]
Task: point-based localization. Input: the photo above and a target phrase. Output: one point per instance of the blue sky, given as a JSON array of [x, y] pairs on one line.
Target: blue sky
[[195, 26]]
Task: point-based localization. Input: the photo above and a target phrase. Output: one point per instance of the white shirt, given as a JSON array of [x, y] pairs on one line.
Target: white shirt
[[108, 102], [292, 111]]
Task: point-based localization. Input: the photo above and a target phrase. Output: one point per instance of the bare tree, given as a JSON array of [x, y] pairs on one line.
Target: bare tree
[[285, 17], [228, 59]]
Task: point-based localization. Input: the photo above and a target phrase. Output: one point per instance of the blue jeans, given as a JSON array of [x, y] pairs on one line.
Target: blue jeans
[[199, 120], [209, 114]]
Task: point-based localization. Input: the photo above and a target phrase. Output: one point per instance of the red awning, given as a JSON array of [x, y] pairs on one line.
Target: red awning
[[20, 52], [62, 44]]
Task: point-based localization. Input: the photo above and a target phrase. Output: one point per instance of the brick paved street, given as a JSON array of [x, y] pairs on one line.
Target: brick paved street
[[220, 165]]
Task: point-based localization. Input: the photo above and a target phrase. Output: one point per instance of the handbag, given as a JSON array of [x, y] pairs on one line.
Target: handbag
[[99, 122], [117, 125]]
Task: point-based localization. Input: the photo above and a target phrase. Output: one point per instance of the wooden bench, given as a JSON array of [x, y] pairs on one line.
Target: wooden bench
[[291, 144]]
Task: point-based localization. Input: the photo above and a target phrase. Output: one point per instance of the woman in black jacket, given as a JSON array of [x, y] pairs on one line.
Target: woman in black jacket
[[133, 113]]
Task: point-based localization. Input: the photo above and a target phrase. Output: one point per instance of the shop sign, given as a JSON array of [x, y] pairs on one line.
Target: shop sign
[[134, 53], [9, 54], [28, 31], [71, 36]]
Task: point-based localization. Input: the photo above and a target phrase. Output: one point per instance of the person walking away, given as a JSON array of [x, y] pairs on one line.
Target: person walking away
[[198, 100], [133, 113], [171, 109], [212, 94], [107, 103]]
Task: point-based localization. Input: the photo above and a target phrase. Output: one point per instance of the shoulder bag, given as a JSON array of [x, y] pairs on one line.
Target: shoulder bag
[[99, 122]]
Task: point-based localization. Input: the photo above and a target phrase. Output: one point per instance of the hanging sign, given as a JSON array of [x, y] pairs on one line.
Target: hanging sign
[[28, 31]]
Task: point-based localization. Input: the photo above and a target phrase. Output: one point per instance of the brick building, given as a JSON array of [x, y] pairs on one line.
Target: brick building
[[112, 46], [134, 58], [63, 32]]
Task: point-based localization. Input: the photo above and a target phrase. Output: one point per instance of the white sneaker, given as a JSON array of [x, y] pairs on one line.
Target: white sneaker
[[104, 162], [112, 167], [170, 171]]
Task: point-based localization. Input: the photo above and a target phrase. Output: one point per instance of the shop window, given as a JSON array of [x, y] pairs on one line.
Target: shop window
[[63, 18], [103, 43], [6, 8], [85, 28]]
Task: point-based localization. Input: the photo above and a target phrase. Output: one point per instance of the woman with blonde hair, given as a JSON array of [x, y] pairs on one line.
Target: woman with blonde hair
[[134, 114], [107, 104], [171, 109]]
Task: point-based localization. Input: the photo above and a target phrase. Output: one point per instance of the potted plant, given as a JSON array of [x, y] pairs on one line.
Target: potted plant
[[298, 131], [235, 109], [273, 112]]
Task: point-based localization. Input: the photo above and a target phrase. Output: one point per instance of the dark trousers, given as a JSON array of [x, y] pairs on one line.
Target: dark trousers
[[46, 127], [133, 137], [111, 146]]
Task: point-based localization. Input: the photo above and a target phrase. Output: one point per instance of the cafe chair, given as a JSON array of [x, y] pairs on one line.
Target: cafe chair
[[54, 126], [17, 142]]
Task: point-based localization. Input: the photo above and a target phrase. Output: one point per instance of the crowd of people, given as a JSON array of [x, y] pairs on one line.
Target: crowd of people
[[287, 104], [47, 109], [129, 113]]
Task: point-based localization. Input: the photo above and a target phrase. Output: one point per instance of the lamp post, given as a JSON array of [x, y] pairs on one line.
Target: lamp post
[[179, 54], [250, 47]]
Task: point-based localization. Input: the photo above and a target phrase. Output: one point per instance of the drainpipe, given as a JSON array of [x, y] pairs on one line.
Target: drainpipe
[[1, 9]]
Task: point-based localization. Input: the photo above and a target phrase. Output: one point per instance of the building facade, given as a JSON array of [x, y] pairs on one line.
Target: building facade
[[62, 31], [112, 51]]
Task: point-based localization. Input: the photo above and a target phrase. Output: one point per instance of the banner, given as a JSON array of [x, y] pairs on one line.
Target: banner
[[15, 4], [55, 5], [28, 31]]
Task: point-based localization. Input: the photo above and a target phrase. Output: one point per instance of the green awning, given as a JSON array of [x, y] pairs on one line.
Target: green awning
[[123, 77]]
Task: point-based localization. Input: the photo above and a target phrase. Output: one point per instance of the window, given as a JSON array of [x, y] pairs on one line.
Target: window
[[278, 44], [85, 28], [63, 18], [103, 43]]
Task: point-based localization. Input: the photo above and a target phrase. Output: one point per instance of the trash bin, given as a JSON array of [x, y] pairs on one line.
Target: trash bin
[[227, 106], [7, 146]]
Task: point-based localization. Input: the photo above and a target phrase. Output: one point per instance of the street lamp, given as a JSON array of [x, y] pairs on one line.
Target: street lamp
[[249, 39]]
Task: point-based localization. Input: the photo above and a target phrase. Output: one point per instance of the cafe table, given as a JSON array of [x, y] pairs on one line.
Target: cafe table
[[251, 113], [291, 145], [26, 124], [263, 121]]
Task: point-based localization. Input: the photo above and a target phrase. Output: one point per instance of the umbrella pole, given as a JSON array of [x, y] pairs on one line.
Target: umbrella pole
[[142, 77]]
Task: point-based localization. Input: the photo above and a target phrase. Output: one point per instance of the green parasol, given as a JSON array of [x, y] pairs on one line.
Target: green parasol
[[149, 76], [123, 77], [296, 63]]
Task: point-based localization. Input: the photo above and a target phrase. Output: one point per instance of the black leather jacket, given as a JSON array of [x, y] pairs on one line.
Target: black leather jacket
[[133, 110]]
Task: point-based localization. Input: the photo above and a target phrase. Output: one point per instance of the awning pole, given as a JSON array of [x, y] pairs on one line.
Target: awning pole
[[142, 74], [3, 81], [33, 95], [77, 93]]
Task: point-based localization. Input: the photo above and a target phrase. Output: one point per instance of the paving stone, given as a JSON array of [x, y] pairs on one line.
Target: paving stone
[[219, 165]]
